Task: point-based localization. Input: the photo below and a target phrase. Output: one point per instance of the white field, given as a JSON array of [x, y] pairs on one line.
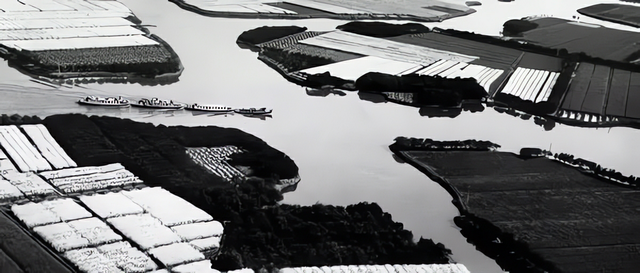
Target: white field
[[200, 230], [35, 214], [65, 208], [112, 5], [81, 171], [8, 191], [21, 151], [47, 23], [531, 84], [62, 236], [355, 68], [377, 47], [77, 43], [100, 184], [206, 243], [422, 268], [95, 230], [174, 254], [28, 183], [91, 260], [412, 7], [92, 177], [145, 230], [6, 164], [243, 270], [11, 6], [328, 7], [267, 9], [40, 34], [112, 204], [44, 141], [45, 5], [547, 87], [160, 271], [200, 267], [170, 209], [127, 257], [12, 16]]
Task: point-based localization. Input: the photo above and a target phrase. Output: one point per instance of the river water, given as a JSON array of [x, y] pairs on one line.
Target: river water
[[339, 143]]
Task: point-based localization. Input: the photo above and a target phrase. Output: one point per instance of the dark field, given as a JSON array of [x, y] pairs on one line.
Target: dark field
[[594, 41], [21, 253], [622, 14], [604, 91], [577, 222]]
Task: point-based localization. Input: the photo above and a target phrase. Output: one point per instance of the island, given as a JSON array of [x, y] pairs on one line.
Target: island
[[84, 41], [535, 211], [413, 10], [452, 70], [226, 183]]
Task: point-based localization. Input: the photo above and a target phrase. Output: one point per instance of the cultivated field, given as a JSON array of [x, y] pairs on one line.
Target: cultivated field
[[531, 84], [560, 213], [215, 160], [387, 268]]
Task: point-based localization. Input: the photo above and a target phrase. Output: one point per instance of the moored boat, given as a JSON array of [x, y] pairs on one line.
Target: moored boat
[[156, 103], [209, 108], [253, 111], [109, 101]]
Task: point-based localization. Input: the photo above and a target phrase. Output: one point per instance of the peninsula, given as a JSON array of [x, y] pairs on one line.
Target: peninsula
[[534, 211]]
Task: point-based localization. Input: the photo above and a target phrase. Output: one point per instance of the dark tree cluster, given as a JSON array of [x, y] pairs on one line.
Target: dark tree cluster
[[16, 119], [261, 234], [381, 29], [597, 169], [427, 144], [266, 34], [428, 90], [517, 27], [294, 61], [510, 254]]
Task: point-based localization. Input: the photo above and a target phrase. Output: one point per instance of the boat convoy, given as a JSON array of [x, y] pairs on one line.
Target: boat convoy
[[155, 103]]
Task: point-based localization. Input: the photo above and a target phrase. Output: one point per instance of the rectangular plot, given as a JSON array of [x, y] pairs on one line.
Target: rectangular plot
[[39, 34], [326, 7], [446, 65], [64, 23], [537, 89], [534, 87], [508, 88], [46, 5], [77, 43], [432, 67], [578, 87], [528, 84], [9, 6], [594, 99], [617, 101], [522, 82], [486, 84], [382, 48], [453, 70], [633, 97], [267, 9], [548, 87]]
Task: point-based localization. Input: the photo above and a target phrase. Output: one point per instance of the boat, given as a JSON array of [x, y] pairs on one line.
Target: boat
[[209, 108], [253, 111], [109, 101], [156, 103]]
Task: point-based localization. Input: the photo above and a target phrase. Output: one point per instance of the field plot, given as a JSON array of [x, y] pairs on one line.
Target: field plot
[[593, 40], [170, 209], [530, 84], [60, 24], [406, 268], [8, 191], [76, 234], [28, 183], [365, 45], [111, 204], [578, 88], [40, 34], [145, 230], [21, 151], [617, 100], [91, 260], [201, 266], [215, 160], [49, 212], [200, 230], [175, 254], [48, 147], [25, 252], [559, 212], [206, 244], [82, 171], [355, 68], [81, 43], [127, 257], [623, 14], [114, 176]]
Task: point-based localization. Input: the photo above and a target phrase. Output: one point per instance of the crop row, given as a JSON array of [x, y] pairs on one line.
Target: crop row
[[103, 55], [290, 40]]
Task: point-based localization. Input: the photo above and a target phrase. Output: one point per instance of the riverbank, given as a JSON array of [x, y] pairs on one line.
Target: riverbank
[[531, 213]]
